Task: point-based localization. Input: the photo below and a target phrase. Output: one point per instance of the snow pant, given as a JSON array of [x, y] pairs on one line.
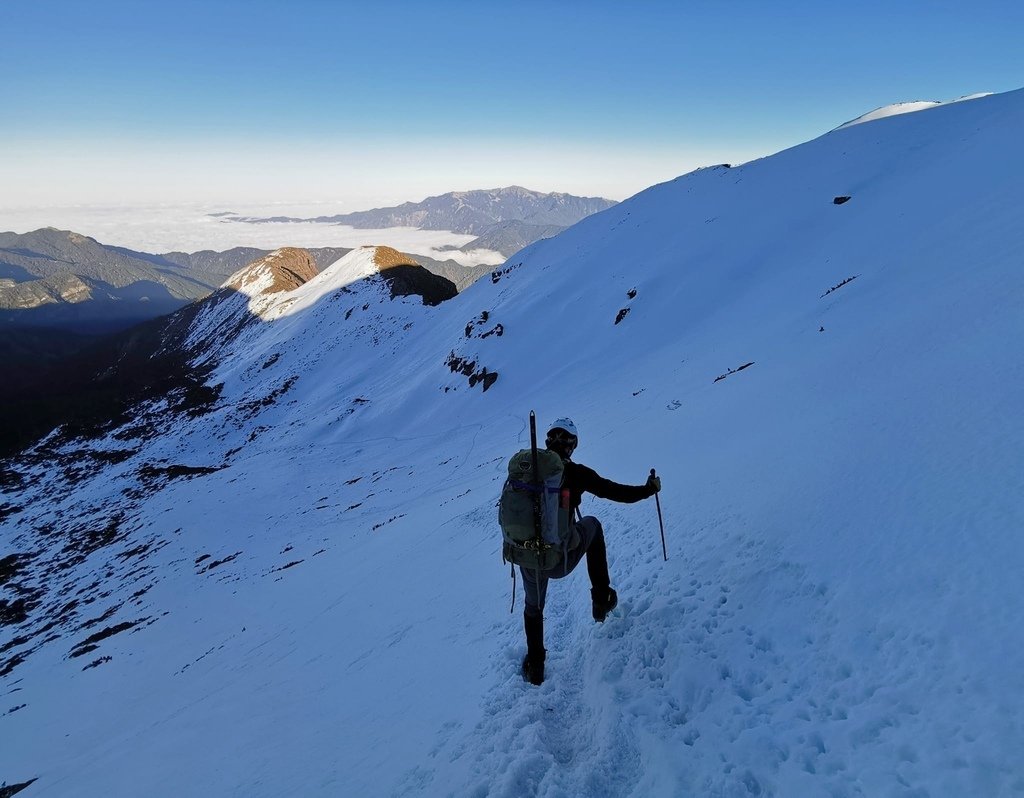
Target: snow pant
[[591, 543]]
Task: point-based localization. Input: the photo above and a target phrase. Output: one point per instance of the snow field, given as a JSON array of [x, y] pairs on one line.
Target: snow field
[[838, 615]]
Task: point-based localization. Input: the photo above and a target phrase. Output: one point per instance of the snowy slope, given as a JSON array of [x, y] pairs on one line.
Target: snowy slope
[[893, 110], [905, 108], [326, 613]]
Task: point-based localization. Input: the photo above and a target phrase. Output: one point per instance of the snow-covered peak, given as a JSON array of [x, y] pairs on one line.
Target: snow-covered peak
[[269, 301], [357, 266], [287, 279], [282, 270]]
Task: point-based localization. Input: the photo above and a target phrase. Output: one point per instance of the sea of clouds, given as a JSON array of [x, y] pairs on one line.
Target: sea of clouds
[[195, 227]]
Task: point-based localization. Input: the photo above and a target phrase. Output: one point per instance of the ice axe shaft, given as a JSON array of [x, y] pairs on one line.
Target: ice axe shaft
[[661, 523]]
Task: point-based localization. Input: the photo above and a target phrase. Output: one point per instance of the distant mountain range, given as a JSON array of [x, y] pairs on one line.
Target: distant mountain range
[[502, 218], [58, 279], [64, 280]]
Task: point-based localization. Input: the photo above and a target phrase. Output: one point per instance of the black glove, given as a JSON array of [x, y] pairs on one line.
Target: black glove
[[653, 484]]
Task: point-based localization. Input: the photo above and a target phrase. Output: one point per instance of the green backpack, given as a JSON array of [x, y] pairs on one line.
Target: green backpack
[[534, 510]]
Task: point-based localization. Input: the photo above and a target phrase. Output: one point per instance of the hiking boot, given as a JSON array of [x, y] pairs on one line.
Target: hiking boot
[[533, 669], [604, 602], [533, 662]]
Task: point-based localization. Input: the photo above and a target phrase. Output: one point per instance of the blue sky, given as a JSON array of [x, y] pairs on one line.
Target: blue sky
[[362, 103]]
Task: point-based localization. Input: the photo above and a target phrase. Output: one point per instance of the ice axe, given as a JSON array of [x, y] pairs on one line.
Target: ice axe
[[661, 523]]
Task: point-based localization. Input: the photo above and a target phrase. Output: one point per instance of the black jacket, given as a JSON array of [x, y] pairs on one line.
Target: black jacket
[[579, 480]]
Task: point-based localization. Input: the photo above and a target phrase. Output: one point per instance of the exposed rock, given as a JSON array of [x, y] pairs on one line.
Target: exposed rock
[[504, 271], [387, 258], [468, 368], [405, 277], [840, 285], [733, 371], [149, 471], [8, 790], [282, 270]]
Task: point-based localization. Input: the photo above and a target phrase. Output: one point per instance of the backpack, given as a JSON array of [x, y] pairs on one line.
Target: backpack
[[533, 511]]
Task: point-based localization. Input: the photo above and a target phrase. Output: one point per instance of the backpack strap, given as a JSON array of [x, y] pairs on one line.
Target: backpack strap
[[513, 607], [515, 483]]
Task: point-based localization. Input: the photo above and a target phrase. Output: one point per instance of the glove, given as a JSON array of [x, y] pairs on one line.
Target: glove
[[654, 484]]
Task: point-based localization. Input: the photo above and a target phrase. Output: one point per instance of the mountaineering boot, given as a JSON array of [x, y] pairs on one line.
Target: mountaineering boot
[[533, 662], [605, 600], [533, 670], [597, 558]]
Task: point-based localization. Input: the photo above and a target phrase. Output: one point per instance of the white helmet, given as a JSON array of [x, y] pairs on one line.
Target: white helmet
[[566, 424]]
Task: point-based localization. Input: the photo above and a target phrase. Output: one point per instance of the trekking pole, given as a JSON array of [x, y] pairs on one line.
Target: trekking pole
[[661, 523]]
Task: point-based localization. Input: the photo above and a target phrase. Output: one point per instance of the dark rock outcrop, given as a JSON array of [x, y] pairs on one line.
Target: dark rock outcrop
[[405, 277]]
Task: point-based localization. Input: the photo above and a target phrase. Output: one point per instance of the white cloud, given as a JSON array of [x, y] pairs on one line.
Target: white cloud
[[189, 228]]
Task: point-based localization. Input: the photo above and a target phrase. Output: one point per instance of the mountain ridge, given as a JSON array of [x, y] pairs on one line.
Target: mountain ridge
[[109, 374], [478, 212], [65, 280], [828, 391]]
